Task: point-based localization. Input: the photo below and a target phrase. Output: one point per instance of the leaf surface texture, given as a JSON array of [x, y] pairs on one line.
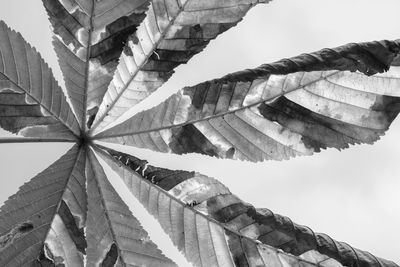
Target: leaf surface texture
[[32, 104], [111, 224], [172, 32], [115, 53], [89, 38], [43, 222], [213, 227], [298, 106]]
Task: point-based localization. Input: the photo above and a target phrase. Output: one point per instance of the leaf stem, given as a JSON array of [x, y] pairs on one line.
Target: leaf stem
[[8, 140]]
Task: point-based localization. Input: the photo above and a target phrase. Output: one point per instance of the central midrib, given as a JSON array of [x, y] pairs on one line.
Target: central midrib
[[99, 136], [86, 85]]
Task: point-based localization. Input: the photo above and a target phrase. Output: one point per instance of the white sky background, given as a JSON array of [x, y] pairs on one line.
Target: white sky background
[[351, 195]]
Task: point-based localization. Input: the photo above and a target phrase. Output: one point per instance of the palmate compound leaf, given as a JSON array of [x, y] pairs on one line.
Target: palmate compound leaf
[[31, 102], [213, 227], [42, 224], [114, 236], [293, 107], [44, 221], [89, 38], [172, 32]]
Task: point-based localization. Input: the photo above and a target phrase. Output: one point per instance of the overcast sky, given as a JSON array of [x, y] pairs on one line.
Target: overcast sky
[[351, 195]]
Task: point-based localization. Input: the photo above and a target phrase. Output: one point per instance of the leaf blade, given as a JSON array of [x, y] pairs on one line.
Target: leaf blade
[[53, 203], [293, 107], [171, 34], [88, 39], [32, 103], [242, 234], [123, 229]]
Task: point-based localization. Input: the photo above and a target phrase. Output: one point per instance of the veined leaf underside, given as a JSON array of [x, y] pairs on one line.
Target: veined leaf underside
[[43, 222], [111, 224], [202, 206], [31, 102], [298, 106], [172, 33], [89, 38], [114, 54]]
